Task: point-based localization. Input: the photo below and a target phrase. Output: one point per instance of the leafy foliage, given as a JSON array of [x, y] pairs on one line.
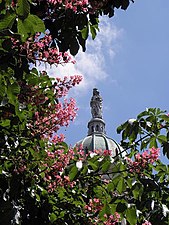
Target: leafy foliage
[[42, 179]]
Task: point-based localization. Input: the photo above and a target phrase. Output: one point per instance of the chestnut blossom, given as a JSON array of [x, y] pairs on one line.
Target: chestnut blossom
[[39, 49], [142, 160], [58, 138], [74, 5], [48, 118], [146, 223], [53, 173], [112, 219], [94, 207]]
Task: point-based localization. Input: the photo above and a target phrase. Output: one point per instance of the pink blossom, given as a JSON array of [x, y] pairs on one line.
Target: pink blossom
[[146, 223], [142, 160], [107, 152]]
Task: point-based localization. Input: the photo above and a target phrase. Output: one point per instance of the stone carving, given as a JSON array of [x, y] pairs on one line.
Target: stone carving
[[96, 104]]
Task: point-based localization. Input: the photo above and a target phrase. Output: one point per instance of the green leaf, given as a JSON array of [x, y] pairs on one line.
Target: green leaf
[[110, 187], [134, 131], [165, 117], [126, 131], [121, 185], [52, 217], [93, 165], [37, 198], [30, 26], [85, 32], [106, 166], [8, 21], [2, 90], [14, 88], [23, 9], [106, 209], [5, 123], [131, 216], [84, 170], [137, 190], [12, 91], [153, 142], [93, 32], [82, 42], [162, 138], [73, 173], [145, 143], [122, 127]]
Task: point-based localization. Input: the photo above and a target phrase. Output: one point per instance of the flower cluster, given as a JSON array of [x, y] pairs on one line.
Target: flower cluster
[[62, 86], [146, 223], [89, 6], [142, 160], [112, 219], [48, 118], [57, 138], [74, 5], [40, 49], [97, 4], [94, 207], [85, 6], [53, 173]]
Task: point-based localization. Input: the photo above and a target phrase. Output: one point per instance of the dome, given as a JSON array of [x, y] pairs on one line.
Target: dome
[[97, 141], [97, 138]]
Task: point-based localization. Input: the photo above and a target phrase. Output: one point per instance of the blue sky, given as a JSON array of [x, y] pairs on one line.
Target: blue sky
[[129, 64]]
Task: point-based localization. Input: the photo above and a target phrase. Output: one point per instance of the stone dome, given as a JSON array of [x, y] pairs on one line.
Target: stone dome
[[97, 138]]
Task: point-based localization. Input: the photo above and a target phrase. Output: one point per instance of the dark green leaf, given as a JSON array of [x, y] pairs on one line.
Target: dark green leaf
[[7, 22], [125, 4], [73, 173], [166, 149], [23, 9], [122, 127], [121, 207], [82, 42], [74, 46], [137, 190], [14, 88]]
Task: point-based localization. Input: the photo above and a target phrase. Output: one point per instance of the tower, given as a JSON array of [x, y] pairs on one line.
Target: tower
[[96, 138]]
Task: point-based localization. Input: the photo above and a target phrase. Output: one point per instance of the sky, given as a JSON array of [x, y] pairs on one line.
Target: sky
[[128, 62]]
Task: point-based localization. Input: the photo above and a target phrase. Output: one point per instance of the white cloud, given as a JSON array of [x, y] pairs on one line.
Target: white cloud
[[92, 63]]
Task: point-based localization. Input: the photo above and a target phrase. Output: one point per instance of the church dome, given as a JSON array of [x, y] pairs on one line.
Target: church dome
[[97, 138]]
